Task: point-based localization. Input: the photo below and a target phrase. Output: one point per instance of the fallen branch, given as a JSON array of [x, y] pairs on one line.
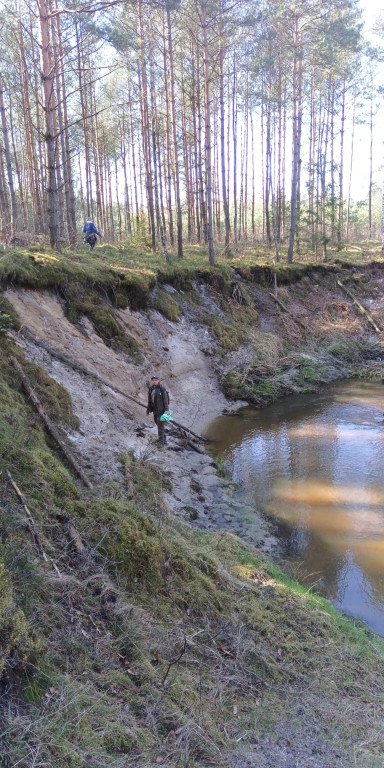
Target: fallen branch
[[82, 369], [285, 309], [48, 423], [245, 376], [359, 306], [72, 532], [31, 523], [175, 661]]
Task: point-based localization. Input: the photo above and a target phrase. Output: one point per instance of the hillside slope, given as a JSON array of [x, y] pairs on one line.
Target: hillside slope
[[136, 628]]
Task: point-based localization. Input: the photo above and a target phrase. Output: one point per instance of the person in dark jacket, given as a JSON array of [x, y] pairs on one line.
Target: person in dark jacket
[[90, 232], [158, 403]]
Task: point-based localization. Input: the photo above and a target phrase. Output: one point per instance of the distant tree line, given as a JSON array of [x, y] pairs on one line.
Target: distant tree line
[[199, 121]]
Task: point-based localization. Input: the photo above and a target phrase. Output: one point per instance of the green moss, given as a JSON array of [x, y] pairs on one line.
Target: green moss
[[82, 301], [168, 307], [227, 335], [55, 479], [219, 278], [346, 350], [120, 740], [180, 277], [146, 481], [261, 393], [8, 315], [56, 400], [5, 323], [220, 467], [137, 289], [310, 374], [192, 299], [17, 642], [135, 549]]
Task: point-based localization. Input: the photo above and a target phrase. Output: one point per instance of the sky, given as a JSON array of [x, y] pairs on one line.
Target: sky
[[372, 9]]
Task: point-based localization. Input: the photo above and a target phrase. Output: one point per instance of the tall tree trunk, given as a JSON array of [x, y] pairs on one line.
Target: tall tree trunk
[[253, 180], [224, 190], [146, 128], [8, 160], [65, 144], [168, 184], [234, 137], [194, 106], [202, 191], [83, 94], [340, 220], [268, 174], [179, 219], [296, 133], [351, 162], [370, 168], [208, 137], [188, 185], [47, 78], [154, 153], [33, 182], [134, 161]]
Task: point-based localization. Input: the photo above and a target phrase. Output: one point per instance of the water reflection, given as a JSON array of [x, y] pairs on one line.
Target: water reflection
[[316, 464]]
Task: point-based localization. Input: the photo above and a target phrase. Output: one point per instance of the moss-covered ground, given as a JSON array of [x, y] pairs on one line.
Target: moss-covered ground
[[127, 638]]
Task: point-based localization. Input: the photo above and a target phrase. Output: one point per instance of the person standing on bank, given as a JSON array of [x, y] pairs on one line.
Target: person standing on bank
[[158, 403]]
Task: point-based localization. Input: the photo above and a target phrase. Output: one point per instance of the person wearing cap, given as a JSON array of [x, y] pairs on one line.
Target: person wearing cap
[[158, 403]]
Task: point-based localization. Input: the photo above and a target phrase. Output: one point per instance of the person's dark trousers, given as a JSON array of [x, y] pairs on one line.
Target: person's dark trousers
[[160, 428]]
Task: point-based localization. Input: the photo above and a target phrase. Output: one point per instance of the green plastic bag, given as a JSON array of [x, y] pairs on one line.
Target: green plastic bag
[[167, 416]]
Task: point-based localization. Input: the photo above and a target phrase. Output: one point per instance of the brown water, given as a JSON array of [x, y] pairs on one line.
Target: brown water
[[316, 463]]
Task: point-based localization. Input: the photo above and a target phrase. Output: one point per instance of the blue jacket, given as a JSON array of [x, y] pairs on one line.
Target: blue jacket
[[90, 227]]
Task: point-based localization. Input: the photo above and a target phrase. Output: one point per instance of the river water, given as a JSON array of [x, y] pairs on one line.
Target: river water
[[316, 464]]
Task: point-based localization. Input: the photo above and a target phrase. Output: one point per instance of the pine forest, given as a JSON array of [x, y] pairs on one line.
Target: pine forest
[[212, 122]]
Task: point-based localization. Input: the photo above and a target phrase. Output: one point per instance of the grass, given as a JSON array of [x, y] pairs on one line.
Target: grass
[[156, 641], [134, 268]]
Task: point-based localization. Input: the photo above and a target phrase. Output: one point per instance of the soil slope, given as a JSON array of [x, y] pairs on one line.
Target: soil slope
[[163, 645]]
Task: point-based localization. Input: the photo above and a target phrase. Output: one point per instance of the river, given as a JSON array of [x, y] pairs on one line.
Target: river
[[315, 463]]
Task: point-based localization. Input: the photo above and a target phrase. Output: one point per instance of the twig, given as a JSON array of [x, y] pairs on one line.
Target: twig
[[31, 524], [174, 661], [280, 303], [72, 532], [359, 306], [245, 376]]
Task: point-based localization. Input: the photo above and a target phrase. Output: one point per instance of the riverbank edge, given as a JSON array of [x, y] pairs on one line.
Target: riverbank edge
[[275, 747]]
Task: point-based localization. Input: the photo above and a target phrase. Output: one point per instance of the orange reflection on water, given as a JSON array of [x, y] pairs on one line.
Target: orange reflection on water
[[317, 493], [329, 431], [341, 516], [369, 554], [332, 523]]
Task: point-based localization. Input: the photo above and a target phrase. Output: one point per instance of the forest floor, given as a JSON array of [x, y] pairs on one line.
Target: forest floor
[[195, 649]]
